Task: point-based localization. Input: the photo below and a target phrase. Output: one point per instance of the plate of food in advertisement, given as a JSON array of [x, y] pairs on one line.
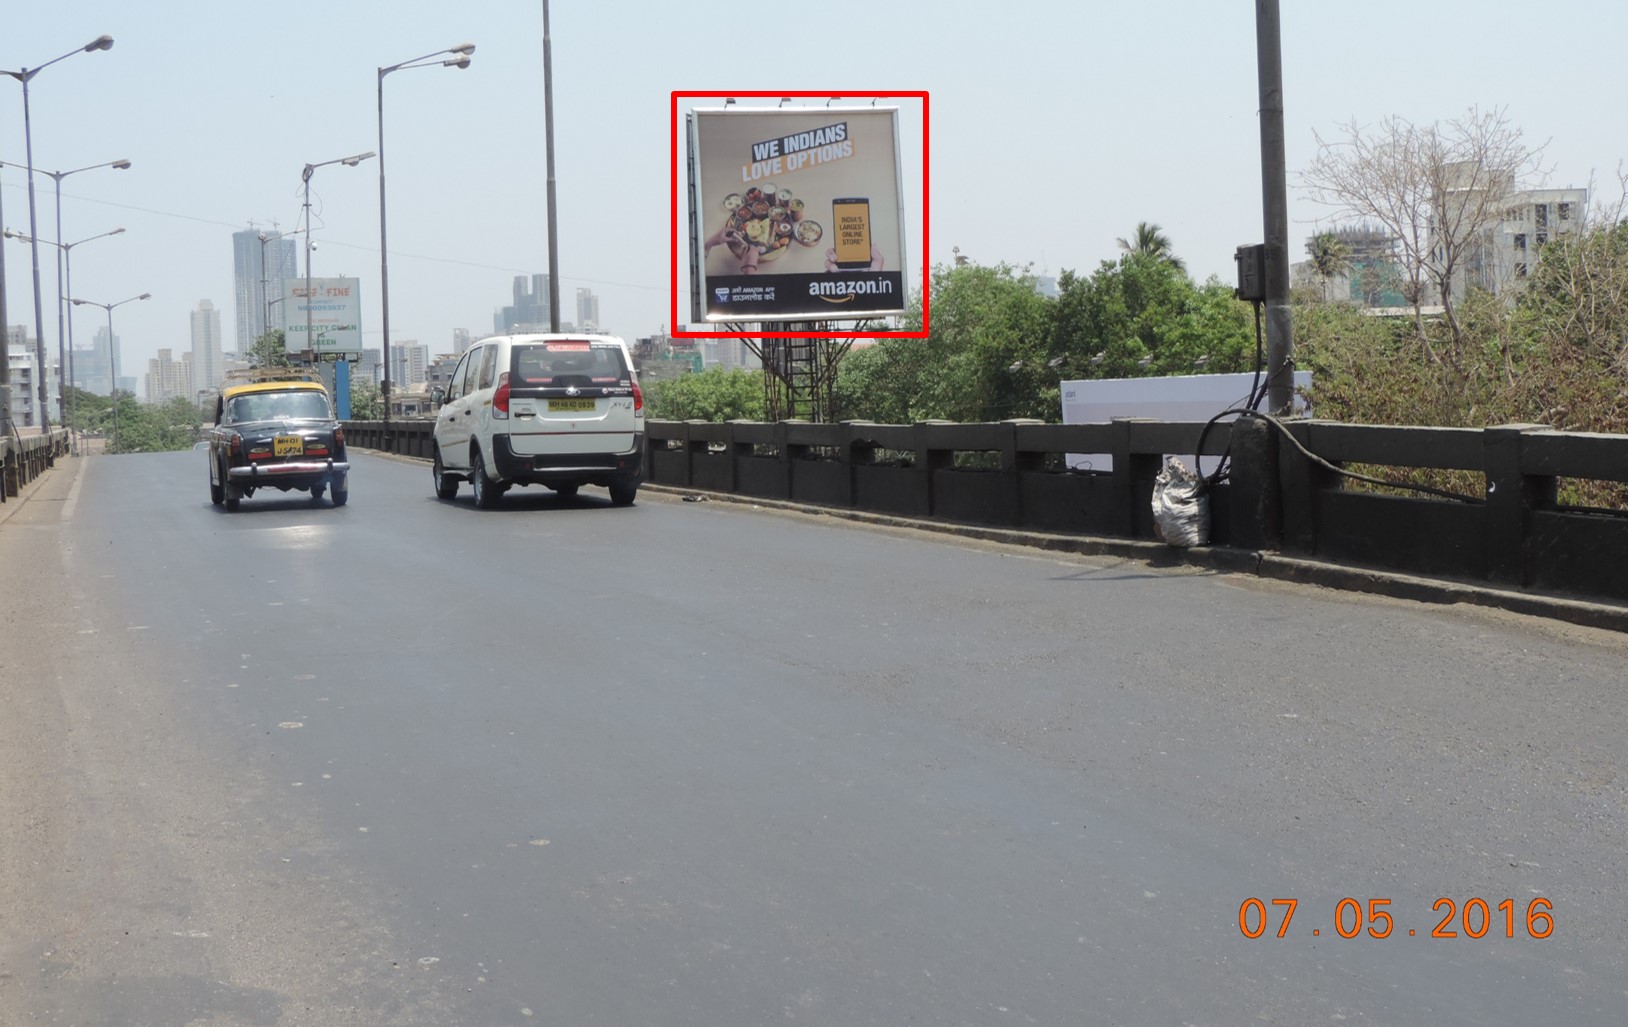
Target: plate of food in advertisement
[[767, 219]]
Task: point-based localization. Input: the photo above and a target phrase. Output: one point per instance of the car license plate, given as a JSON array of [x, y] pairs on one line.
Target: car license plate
[[288, 445], [575, 406]]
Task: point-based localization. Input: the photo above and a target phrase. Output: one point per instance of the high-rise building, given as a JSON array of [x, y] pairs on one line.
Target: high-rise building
[[167, 379], [369, 368], [460, 340], [261, 262], [94, 367], [587, 310], [530, 312], [207, 359], [409, 361]]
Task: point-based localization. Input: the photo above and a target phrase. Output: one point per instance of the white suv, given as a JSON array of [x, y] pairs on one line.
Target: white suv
[[555, 410]]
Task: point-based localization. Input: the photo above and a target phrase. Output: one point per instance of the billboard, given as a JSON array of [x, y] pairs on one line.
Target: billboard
[[796, 214], [334, 312]]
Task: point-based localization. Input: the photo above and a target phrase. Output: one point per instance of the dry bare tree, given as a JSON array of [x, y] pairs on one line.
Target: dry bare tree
[[1439, 189]]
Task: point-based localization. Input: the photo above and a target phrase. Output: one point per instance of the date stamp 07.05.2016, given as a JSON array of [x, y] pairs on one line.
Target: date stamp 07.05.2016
[[1477, 918]]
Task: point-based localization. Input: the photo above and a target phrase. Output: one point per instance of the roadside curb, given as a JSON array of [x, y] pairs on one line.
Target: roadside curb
[[1274, 566], [15, 504]]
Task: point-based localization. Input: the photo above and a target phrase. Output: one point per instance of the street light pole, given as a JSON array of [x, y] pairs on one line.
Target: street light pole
[[265, 294], [25, 76], [112, 365], [461, 55], [349, 162], [65, 252]]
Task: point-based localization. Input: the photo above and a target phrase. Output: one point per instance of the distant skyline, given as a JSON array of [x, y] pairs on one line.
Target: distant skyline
[[1114, 114]]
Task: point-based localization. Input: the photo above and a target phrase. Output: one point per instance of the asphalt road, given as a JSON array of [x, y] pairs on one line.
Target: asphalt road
[[411, 763]]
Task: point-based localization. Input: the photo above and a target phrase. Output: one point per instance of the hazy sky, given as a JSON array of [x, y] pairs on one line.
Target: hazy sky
[[1055, 128]]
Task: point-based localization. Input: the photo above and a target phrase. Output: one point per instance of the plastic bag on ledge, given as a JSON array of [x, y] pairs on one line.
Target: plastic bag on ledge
[[1181, 506]]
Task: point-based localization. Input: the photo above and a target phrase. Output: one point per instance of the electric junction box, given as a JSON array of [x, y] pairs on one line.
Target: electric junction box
[[1251, 262]]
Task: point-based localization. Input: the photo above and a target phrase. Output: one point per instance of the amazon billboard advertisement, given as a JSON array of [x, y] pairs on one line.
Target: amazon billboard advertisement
[[796, 214]]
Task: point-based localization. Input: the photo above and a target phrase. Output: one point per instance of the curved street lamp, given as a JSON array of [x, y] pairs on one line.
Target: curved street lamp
[[112, 365], [65, 353], [349, 162], [25, 76], [460, 57], [65, 252]]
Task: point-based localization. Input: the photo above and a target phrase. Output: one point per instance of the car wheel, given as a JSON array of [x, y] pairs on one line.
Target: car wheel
[[566, 491], [316, 491], [446, 485], [487, 492], [341, 496], [217, 492], [233, 496], [622, 495]]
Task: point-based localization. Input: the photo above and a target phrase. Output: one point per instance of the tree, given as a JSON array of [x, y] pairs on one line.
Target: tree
[[1330, 258], [998, 349], [366, 403], [717, 394], [1150, 241], [1140, 316], [269, 350], [1437, 188], [149, 428]]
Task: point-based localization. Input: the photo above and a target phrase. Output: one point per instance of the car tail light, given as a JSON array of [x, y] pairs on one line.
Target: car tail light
[[316, 450], [237, 443], [500, 398], [638, 397]]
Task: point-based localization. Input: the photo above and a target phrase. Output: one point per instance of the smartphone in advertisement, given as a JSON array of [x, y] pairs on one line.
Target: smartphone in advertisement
[[852, 217]]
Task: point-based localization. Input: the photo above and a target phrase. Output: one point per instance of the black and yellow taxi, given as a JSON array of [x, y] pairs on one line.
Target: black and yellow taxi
[[276, 431]]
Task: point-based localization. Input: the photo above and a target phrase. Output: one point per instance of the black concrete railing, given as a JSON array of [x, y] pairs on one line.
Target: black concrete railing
[[1013, 474], [24, 458]]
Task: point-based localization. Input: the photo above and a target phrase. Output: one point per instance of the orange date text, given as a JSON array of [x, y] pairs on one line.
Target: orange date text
[[1476, 918]]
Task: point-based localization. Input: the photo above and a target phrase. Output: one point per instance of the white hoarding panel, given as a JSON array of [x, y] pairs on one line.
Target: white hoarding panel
[[1194, 397], [333, 311]]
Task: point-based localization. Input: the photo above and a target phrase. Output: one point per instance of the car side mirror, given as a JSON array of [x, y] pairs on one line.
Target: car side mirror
[[438, 395]]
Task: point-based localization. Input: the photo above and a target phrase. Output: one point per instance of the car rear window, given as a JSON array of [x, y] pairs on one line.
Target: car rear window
[[568, 362], [304, 404]]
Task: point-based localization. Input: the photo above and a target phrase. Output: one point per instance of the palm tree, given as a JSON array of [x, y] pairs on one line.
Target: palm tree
[[1150, 241], [1330, 257]]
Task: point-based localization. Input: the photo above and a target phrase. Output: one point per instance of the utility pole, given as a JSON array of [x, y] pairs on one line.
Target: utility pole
[[548, 132], [1275, 210], [5, 349]]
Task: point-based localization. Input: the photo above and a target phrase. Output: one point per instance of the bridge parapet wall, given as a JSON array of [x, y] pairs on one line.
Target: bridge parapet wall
[[1015, 474], [25, 457]]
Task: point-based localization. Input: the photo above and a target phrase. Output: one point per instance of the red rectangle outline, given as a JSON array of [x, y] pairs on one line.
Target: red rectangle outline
[[926, 267]]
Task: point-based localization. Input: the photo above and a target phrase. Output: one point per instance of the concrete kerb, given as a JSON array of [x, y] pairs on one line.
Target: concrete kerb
[[1395, 585]]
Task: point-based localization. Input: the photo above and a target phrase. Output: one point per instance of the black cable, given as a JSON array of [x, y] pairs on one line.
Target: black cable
[[1257, 390], [1314, 458], [1257, 393]]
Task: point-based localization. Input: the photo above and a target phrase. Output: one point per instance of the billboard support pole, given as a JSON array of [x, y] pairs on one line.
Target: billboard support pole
[[342, 387]]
